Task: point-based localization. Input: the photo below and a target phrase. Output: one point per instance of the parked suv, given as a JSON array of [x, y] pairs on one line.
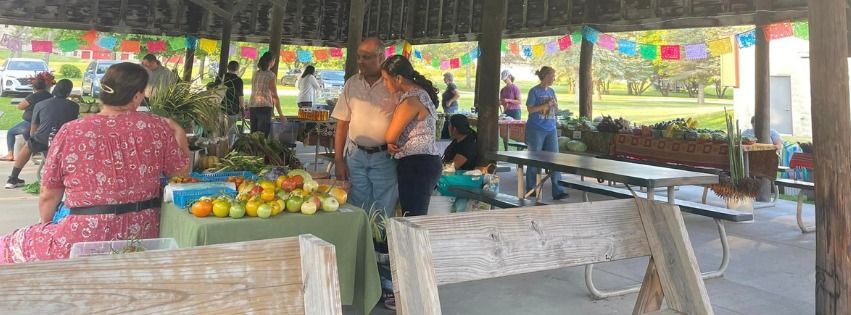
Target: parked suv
[[91, 77], [15, 75], [291, 77], [332, 82]]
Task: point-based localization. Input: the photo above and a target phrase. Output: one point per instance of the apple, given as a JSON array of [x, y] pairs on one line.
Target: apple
[[264, 211], [330, 204], [294, 204], [237, 210], [289, 185], [315, 200], [340, 194], [283, 195], [308, 208], [310, 186]]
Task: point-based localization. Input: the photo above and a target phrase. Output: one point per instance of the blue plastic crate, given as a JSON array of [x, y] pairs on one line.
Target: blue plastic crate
[[185, 198], [223, 176]]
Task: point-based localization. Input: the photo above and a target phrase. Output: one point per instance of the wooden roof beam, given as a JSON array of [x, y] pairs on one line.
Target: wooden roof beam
[[440, 19], [209, 6]]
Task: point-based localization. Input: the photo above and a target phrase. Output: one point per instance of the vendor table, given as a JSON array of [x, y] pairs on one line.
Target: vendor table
[[348, 230]]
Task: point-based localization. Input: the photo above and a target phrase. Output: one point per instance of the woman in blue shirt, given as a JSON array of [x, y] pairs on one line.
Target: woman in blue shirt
[[541, 131]]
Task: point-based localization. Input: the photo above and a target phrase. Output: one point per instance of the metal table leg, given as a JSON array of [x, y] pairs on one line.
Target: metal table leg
[[725, 261], [804, 228]]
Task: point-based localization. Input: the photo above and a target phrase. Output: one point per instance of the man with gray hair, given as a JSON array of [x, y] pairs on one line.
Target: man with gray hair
[[449, 102], [363, 113]]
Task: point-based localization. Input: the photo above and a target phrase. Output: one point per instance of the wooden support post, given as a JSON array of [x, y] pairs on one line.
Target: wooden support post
[[356, 11], [188, 63], [831, 117], [275, 36], [487, 76], [762, 91], [224, 56], [586, 79]]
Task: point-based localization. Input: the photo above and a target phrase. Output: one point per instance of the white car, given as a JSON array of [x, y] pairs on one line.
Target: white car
[[15, 75]]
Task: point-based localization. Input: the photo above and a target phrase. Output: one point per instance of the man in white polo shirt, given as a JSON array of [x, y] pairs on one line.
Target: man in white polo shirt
[[363, 113]]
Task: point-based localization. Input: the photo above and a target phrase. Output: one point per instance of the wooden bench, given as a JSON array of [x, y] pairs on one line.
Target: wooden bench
[[429, 251], [802, 186], [718, 214], [520, 146], [498, 200], [295, 275]]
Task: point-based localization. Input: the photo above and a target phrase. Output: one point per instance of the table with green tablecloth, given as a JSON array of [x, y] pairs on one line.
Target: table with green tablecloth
[[348, 230]]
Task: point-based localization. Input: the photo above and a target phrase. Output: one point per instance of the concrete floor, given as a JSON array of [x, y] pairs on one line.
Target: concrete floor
[[771, 270]]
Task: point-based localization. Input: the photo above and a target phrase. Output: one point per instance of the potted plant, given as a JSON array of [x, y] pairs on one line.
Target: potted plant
[[737, 189], [199, 111]]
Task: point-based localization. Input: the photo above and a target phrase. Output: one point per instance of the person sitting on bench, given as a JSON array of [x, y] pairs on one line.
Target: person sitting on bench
[[48, 116], [776, 139], [462, 152]]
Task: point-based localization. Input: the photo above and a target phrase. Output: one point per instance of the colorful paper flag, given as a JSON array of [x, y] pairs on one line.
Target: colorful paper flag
[[42, 46], [435, 64], [154, 47], [538, 50], [801, 29], [527, 51], [455, 63], [191, 42], [696, 51], [69, 45], [576, 37], [591, 34], [248, 52], [746, 39], [305, 56], [444, 65], [133, 46], [389, 51], [626, 47], [321, 54], [649, 51], [475, 53], [107, 42], [564, 42], [606, 41], [288, 56], [91, 36], [407, 49], [176, 43], [336, 52], [465, 59], [551, 48], [427, 58], [514, 48], [778, 30], [719, 47], [208, 45], [503, 46], [11, 42], [670, 52], [232, 50]]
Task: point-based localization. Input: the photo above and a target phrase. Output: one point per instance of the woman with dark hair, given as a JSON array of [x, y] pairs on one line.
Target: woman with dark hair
[[264, 96], [48, 116], [41, 91], [541, 132], [411, 135], [307, 87], [108, 167], [462, 152]]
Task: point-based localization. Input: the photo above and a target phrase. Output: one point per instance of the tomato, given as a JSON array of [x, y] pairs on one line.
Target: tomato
[[202, 208]]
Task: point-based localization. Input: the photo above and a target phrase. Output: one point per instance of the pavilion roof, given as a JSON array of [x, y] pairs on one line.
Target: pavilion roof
[[324, 22]]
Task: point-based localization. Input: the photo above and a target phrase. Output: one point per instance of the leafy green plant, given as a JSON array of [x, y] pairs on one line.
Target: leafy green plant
[[736, 184], [70, 71], [191, 107]]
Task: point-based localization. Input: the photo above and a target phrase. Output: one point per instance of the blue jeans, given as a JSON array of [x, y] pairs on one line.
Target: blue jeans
[[540, 140], [22, 128], [373, 179], [513, 113], [444, 132]]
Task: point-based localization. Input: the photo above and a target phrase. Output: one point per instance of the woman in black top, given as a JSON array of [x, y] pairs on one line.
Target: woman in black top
[[462, 151], [41, 91]]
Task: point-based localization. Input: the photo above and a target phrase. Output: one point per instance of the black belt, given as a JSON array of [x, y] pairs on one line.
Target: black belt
[[117, 209], [372, 150]]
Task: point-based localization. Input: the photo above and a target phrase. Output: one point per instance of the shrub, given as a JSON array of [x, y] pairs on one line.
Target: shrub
[[70, 71]]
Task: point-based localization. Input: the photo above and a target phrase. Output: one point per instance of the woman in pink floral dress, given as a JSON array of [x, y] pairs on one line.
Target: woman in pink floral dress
[[108, 167]]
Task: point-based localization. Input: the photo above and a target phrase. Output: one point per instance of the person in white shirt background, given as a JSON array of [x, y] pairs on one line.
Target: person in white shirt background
[[307, 87]]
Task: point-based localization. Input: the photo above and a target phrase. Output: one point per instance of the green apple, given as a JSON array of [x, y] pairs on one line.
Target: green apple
[[310, 186], [294, 204], [237, 210], [264, 211], [308, 208], [330, 204]]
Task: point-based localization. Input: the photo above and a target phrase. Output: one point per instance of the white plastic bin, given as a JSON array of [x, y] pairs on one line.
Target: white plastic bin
[[85, 249]]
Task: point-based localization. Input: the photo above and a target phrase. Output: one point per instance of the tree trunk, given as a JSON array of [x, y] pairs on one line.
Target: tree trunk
[[468, 75], [701, 99], [203, 67], [629, 88]]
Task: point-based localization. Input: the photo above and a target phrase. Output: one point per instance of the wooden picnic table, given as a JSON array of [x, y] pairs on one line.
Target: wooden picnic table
[[628, 173]]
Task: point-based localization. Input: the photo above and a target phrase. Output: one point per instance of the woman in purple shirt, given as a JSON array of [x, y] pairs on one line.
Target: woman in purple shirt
[[509, 96]]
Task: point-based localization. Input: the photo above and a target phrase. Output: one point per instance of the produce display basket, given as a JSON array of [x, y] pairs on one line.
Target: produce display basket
[[185, 198], [85, 249], [223, 176]]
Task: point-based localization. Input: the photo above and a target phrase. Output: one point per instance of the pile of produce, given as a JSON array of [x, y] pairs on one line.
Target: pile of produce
[[566, 144], [293, 192], [85, 106], [275, 153], [608, 124], [236, 161]]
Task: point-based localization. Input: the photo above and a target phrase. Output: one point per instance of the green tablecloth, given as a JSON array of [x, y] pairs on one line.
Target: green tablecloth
[[348, 230]]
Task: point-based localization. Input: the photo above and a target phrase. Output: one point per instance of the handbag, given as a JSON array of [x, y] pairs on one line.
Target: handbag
[[458, 180]]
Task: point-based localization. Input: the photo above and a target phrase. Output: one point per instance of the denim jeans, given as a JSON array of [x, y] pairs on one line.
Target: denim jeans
[[22, 128], [417, 176], [513, 113], [540, 140], [444, 133], [373, 179], [261, 120]]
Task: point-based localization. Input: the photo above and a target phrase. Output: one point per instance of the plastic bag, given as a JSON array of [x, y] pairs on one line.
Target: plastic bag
[[458, 180]]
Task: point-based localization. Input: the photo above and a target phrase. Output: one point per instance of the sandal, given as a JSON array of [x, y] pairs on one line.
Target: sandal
[[7, 159], [389, 301]]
